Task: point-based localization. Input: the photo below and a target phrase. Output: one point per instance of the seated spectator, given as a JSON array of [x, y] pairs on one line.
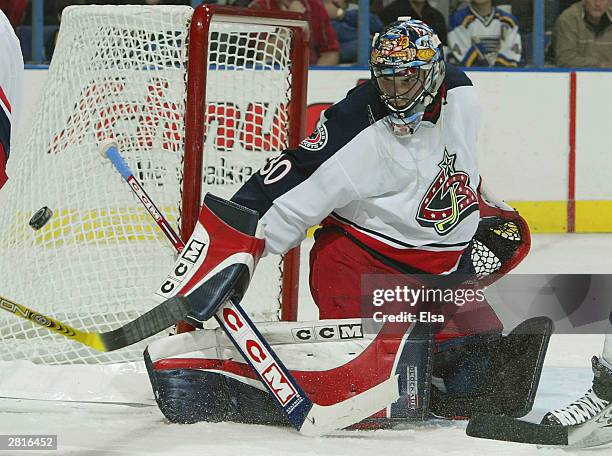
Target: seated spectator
[[345, 20], [483, 35], [14, 10], [418, 9], [582, 35], [324, 47]]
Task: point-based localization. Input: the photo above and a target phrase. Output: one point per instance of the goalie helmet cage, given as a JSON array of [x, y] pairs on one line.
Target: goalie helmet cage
[[225, 85]]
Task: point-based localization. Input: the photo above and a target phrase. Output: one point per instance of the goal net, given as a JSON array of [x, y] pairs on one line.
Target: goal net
[[121, 73]]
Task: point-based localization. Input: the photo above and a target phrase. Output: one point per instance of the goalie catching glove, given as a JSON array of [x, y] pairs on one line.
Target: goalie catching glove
[[218, 261]]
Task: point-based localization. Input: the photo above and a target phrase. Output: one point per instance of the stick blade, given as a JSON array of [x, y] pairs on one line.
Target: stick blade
[[323, 419], [155, 320], [508, 429]]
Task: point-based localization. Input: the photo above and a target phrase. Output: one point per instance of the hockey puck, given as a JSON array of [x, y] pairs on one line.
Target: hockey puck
[[40, 218]]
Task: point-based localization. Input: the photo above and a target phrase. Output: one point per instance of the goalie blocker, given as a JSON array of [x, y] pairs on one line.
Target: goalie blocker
[[217, 263]]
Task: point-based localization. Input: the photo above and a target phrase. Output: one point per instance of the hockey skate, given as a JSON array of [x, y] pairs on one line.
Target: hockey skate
[[590, 404], [586, 422]]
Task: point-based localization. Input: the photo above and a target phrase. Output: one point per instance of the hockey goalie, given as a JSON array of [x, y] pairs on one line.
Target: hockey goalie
[[390, 174]]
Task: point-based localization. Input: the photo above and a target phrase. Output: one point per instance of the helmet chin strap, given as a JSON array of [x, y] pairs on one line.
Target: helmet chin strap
[[407, 122], [405, 126]]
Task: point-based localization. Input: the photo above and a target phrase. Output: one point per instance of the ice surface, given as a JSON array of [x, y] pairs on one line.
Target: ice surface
[[109, 429], [133, 425]]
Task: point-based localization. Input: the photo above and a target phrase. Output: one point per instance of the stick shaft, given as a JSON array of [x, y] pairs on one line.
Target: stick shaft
[[148, 324], [126, 172], [90, 339]]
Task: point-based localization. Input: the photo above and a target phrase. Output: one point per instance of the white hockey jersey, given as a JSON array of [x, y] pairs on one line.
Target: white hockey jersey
[[11, 77], [413, 199], [475, 40]]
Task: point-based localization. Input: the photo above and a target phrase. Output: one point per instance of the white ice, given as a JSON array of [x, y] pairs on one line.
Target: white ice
[[133, 425]]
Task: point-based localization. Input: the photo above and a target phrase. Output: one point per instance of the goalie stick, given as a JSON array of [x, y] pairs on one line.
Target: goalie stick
[[596, 431], [306, 416], [150, 323]]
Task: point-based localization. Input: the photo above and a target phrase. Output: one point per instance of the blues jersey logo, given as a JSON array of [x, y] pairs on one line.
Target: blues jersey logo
[[449, 198]]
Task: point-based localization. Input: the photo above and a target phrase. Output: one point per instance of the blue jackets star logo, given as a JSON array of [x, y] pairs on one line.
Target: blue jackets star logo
[[449, 199]]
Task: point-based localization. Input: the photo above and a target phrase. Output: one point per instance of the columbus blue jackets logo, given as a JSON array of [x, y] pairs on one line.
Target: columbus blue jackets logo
[[449, 199], [317, 140]]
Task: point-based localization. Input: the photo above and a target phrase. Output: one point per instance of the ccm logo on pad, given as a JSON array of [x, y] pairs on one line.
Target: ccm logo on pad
[[257, 354], [329, 332], [192, 251], [188, 258], [278, 384], [412, 392]]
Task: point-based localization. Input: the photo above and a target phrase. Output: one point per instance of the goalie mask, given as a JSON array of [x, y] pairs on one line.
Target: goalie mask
[[407, 65]]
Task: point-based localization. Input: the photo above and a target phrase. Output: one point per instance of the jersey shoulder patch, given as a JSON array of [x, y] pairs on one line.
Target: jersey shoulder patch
[[346, 119], [317, 140]]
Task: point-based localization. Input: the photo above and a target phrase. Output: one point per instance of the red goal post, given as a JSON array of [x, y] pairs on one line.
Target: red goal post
[[195, 116]]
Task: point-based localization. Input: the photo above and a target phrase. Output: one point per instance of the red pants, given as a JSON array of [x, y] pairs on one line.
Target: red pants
[[337, 265]]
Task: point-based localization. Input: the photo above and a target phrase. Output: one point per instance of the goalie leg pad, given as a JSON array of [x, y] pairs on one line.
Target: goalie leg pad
[[504, 372], [189, 396], [219, 259], [332, 360]]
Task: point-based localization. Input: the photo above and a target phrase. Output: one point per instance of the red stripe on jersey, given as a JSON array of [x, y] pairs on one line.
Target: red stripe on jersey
[[432, 262], [4, 99], [3, 176]]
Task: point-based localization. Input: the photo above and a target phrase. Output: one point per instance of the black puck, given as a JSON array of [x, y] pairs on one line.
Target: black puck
[[40, 218]]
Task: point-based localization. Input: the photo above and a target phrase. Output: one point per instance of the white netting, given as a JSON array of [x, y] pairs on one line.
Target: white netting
[[119, 72]]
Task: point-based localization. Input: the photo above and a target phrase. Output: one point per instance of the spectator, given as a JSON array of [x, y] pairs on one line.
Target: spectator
[[582, 35], [418, 9], [14, 10], [344, 19], [324, 47], [483, 35]]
